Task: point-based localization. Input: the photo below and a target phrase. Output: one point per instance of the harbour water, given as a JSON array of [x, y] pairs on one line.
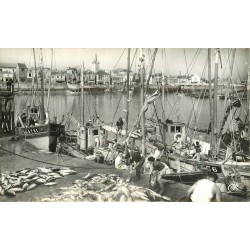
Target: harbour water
[[112, 105]]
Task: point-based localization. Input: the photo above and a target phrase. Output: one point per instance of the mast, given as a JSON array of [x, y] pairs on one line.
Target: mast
[[211, 104], [248, 95], [230, 82], [47, 109], [42, 88], [163, 96], [82, 96], [34, 55], [127, 106], [163, 110], [142, 59], [151, 68], [217, 51]]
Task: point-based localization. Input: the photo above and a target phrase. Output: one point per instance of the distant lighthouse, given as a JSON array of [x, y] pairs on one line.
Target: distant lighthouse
[[95, 65]]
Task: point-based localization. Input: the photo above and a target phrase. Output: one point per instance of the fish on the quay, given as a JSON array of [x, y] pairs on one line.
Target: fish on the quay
[[50, 184], [27, 179], [93, 188]]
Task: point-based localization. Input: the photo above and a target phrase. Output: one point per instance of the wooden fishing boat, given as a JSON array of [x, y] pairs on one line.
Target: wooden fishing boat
[[179, 156], [73, 87], [35, 122]]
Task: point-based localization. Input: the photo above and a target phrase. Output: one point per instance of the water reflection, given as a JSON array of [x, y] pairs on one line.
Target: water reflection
[[112, 105]]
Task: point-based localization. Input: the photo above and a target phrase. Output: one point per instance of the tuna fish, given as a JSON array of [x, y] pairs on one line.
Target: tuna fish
[[32, 186], [16, 190], [25, 185], [10, 193], [40, 181], [50, 184], [1, 191]]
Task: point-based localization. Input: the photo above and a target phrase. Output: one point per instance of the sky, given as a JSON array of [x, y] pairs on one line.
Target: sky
[[173, 61]]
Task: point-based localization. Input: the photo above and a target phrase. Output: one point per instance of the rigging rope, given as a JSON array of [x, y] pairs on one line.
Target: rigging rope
[[124, 89], [119, 59]]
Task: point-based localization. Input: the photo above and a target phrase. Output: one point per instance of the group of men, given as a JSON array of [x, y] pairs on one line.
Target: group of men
[[204, 190]]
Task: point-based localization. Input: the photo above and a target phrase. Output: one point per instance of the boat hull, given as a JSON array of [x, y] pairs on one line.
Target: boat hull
[[52, 130]]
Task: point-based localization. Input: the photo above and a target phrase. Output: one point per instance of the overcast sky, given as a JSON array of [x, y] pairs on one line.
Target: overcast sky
[[171, 61]]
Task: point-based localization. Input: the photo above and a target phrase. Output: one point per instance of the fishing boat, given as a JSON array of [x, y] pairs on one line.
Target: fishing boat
[[180, 146], [73, 87], [34, 122]]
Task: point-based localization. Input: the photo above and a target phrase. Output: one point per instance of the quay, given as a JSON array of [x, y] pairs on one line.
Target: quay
[[16, 155]]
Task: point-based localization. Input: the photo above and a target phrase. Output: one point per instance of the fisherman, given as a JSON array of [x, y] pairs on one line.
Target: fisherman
[[137, 161], [115, 145], [119, 125], [97, 142], [59, 147], [119, 162], [159, 170], [197, 151], [24, 116], [157, 154], [31, 122], [98, 121], [89, 123], [205, 190], [9, 83]]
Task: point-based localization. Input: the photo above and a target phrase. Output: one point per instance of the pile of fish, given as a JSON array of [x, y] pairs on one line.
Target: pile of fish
[[105, 188], [27, 179]]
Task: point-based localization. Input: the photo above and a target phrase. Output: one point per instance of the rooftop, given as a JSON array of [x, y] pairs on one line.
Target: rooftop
[[101, 72], [8, 65], [22, 65]]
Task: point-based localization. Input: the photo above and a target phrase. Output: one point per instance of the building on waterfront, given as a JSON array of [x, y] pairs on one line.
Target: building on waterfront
[[195, 79], [30, 73], [102, 77], [14, 71], [158, 79], [7, 71], [119, 76], [183, 79], [21, 72]]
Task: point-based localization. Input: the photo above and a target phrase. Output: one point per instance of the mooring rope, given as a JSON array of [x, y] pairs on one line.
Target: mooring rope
[[50, 163]]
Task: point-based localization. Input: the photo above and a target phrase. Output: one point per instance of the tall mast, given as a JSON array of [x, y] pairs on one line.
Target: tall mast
[[142, 59], [34, 55], [163, 96], [151, 68], [248, 95], [82, 96], [163, 110], [47, 109], [217, 51], [42, 88], [127, 106], [211, 104]]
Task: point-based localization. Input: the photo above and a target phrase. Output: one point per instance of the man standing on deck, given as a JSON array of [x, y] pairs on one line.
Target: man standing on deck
[[205, 190]]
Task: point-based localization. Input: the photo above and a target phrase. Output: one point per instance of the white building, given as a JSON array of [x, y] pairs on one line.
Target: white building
[[195, 79]]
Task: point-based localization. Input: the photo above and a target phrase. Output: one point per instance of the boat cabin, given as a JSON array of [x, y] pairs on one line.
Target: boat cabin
[[91, 136], [165, 132]]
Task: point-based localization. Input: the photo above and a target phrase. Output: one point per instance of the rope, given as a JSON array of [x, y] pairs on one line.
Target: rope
[[123, 90], [199, 112], [119, 59], [118, 105], [50, 163]]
